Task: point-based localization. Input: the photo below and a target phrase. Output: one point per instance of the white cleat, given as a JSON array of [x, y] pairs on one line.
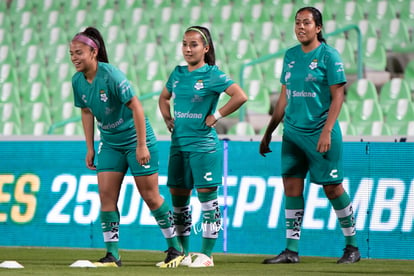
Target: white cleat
[[185, 262], [202, 260]]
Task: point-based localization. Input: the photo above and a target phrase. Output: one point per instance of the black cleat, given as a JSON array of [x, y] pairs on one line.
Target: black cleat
[[173, 259], [351, 255], [108, 261], [286, 257]]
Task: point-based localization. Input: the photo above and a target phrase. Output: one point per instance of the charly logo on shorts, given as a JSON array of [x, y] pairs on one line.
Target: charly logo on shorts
[[199, 85], [314, 64], [104, 97]]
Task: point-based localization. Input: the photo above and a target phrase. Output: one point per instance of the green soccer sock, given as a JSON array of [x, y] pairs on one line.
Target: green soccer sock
[[163, 216], [211, 221], [344, 211], [294, 209], [182, 220], [110, 230]]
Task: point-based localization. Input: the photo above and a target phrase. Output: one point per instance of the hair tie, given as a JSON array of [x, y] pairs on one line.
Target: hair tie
[[198, 31], [86, 40]]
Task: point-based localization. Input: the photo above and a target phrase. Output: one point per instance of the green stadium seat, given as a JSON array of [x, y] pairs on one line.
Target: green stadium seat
[[347, 128], [347, 12], [395, 36], [81, 19], [393, 90], [25, 37], [258, 98], [285, 13], [60, 93], [10, 113], [375, 55], [7, 54], [272, 71], [142, 32], [72, 6], [182, 4], [62, 72], [52, 19], [256, 13], [43, 6], [64, 111], [57, 55], [344, 115], [5, 37], [20, 6], [377, 128], [24, 20], [113, 35], [101, 5], [31, 54], [367, 30], [171, 34], [379, 10], [8, 73], [135, 17], [234, 32], [409, 74], [54, 36], [109, 17], [359, 91], [241, 129], [9, 93], [128, 5], [366, 113], [399, 115], [69, 129], [35, 92], [225, 13], [9, 128], [194, 15], [405, 9], [347, 52]]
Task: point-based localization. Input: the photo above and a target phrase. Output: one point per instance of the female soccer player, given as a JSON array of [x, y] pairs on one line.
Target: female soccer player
[[313, 80], [196, 155], [127, 141]]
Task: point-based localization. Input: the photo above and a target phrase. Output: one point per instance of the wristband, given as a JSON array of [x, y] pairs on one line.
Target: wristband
[[217, 115]]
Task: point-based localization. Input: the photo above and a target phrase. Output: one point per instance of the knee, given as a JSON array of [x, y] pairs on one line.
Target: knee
[[333, 191]]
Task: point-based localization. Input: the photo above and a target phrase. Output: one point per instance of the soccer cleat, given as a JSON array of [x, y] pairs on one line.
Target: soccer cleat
[[185, 262], [202, 260], [173, 259], [286, 257], [108, 261], [351, 255]]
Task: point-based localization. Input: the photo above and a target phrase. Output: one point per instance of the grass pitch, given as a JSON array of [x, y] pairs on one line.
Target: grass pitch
[[56, 261]]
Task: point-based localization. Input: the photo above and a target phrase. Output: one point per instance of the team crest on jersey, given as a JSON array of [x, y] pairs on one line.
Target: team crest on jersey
[[314, 64], [104, 97], [199, 85]]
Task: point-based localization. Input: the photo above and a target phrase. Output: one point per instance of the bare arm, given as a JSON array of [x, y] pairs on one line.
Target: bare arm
[[237, 98], [165, 108], [142, 151], [277, 116], [337, 94], [88, 123]]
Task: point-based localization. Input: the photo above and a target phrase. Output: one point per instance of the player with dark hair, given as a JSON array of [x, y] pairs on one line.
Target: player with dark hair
[[313, 80], [127, 141], [196, 158]]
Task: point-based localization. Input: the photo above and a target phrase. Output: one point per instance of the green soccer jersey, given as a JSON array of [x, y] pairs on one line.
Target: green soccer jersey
[[308, 77], [195, 95], [106, 97]]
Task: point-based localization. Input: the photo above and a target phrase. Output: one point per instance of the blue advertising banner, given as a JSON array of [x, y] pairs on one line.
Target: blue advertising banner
[[49, 198]]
